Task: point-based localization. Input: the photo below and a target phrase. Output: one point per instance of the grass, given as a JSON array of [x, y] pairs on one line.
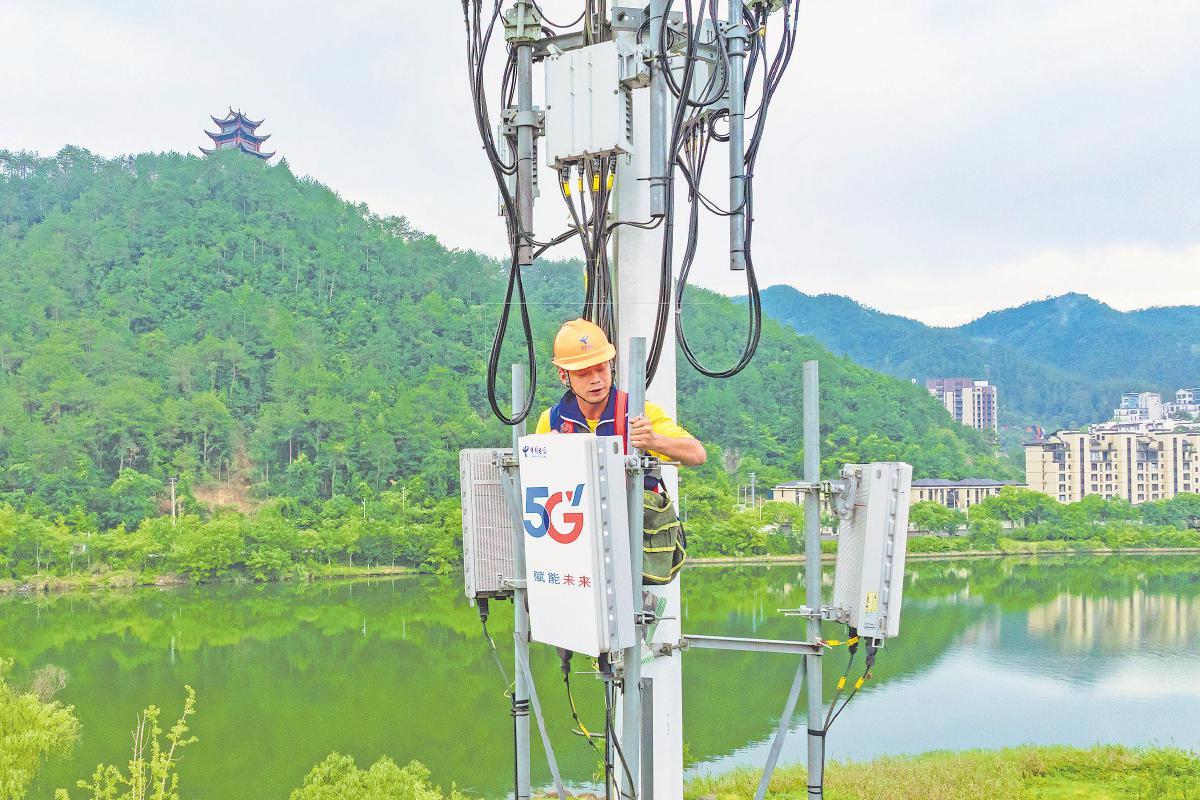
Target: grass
[[1106, 772]]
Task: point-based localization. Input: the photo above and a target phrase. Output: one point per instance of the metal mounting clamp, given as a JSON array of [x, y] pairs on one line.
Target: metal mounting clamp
[[522, 23]]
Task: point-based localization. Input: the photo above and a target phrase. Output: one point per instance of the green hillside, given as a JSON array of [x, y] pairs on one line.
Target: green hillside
[[1155, 348], [246, 329], [1058, 363]]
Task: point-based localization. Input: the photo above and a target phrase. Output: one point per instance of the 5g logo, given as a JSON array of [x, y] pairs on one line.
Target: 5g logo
[[540, 505]]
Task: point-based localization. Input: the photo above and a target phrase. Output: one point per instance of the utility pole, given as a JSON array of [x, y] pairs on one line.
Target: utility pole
[[172, 481], [812, 575], [636, 257], [520, 696]]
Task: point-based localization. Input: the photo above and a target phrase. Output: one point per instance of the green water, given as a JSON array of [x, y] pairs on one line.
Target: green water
[[991, 652]]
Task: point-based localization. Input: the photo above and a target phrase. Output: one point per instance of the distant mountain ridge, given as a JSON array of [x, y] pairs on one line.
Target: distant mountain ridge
[[1058, 362]]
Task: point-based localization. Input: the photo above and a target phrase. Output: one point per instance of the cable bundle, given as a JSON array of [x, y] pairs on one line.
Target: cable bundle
[[693, 128]]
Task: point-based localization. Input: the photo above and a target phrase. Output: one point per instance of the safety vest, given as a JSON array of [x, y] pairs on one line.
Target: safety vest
[[566, 417]]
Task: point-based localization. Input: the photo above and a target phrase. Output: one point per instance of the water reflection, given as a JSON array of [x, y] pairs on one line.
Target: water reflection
[[991, 652], [1079, 623]]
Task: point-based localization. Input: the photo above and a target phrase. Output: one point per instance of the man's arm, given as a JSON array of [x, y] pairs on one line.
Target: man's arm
[[684, 449]]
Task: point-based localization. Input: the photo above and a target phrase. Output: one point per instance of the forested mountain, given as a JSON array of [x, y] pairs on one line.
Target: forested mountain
[[1057, 363], [1154, 347], [223, 320]]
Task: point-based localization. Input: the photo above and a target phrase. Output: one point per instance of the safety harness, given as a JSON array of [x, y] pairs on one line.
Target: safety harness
[[566, 417]]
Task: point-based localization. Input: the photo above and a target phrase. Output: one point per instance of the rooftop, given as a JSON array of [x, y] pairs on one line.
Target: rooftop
[[964, 483]]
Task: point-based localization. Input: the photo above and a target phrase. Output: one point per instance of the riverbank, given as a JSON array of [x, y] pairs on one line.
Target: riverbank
[[124, 579], [946, 555], [1105, 772]]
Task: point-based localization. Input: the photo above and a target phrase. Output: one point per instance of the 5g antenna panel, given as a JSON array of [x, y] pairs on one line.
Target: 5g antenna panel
[[576, 529], [869, 574], [588, 112], [487, 523]]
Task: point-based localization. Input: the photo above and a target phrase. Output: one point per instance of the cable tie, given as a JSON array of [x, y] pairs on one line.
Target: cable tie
[[816, 732]]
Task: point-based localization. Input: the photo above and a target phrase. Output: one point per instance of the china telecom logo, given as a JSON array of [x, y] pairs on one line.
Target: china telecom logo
[[541, 505]]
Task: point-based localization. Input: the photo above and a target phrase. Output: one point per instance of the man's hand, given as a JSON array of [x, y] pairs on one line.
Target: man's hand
[[685, 450], [642, 435]]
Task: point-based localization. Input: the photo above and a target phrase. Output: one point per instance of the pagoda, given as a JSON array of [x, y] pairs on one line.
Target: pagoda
[[237, 132]]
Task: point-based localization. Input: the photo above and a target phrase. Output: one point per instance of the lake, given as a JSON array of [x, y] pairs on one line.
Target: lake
[[992, 652]]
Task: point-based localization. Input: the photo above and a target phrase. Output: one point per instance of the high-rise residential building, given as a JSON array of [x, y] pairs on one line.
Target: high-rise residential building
[[1137, 466], [237, 133], [971, 402]]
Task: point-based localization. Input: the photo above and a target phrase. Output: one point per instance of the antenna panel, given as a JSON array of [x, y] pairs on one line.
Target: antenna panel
[[869, 576], [487, 523], [576, 528]]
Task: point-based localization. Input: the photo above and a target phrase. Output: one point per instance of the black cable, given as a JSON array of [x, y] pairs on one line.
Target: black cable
[[871, 650], [772, 76], [662, 316], [478, 40], [610, 701], [564, 656], [542, 14], [483, 618]]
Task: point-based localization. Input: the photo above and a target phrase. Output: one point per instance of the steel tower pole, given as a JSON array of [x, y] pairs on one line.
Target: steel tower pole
[[520, 699], [636, 257], [812, 575], [737, 136], [631, 699]]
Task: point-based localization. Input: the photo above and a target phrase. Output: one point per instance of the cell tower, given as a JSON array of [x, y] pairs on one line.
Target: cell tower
[[635, 99]]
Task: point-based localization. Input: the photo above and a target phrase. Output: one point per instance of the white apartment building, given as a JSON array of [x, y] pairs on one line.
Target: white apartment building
[[1140, 407], [1131, 465], [1146, 412], [969, 401]]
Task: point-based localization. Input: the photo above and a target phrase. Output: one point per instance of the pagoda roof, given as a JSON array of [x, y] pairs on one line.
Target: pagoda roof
[[239, 117], [225, 136]]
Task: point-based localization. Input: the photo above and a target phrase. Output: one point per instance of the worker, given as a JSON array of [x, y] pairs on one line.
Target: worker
[[584, 358]]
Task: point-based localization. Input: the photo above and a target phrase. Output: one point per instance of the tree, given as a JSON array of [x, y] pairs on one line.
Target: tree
[[209, 551], [32, 728], [133, 496], [927, 515], [1018, 505]]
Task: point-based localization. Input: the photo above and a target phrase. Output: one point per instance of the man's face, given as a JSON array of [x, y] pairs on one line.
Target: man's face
[[591, 384]]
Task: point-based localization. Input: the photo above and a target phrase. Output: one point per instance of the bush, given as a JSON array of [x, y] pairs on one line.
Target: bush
[[32, 728], [339, 778]]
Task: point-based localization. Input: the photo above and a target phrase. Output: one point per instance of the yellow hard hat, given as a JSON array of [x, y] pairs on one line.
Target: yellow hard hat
[[580, 344]]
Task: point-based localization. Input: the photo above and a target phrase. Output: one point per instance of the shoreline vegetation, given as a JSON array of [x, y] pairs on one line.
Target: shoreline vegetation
[[125, 579], [388, 535], [46, 584]]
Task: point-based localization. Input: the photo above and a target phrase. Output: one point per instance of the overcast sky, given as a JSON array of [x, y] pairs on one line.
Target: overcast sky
[[935, 160]]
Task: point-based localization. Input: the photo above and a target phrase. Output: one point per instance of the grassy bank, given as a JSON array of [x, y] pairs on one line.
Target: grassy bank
[[1045, 773]]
